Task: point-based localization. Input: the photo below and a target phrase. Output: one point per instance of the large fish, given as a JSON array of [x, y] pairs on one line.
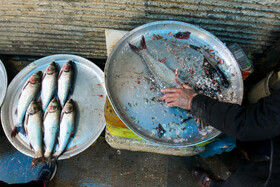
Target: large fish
[[51, 126], [49, 85], [65, 80], [28, 93], [67, 122], [163, 76], [33, 129]]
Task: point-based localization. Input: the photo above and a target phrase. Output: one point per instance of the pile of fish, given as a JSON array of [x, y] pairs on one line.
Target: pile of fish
[[51, 119]]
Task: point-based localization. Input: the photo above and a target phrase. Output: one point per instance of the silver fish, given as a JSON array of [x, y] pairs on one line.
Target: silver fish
[[49, 85], [51, 126], [163, 76], [65, 80], [67, 122], [28, 93], [33, 129]]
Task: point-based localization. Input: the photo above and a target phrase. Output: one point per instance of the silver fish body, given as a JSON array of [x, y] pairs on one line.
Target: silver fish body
[[67, 123], [65, 82], [51, 126], [49, 85], [163, 76], [28, 93], [33, 129]]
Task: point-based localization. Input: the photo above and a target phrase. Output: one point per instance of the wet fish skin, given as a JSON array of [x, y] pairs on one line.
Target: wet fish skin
[[164, 77], [49, 85], [67, 123], [51, 126], [33, 129], [28, 93], [65, 80]]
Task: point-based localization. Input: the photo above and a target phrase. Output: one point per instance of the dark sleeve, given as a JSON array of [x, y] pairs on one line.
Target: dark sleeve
[[256, 122]]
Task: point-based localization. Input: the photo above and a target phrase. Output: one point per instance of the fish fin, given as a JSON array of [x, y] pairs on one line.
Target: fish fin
[[45, 115], [36, 161], [143, 43], [26, 120], [134, 48], [16, 130], [48, 160], [61, 116], [60, 72], [31, 147], [44, 75], [72, 134], [26, 131]]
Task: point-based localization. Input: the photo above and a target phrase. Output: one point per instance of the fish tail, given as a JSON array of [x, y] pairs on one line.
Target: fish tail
[[137, 49], [36, 161], [143, 43], [48, 160], [16, 130], [55, 158]]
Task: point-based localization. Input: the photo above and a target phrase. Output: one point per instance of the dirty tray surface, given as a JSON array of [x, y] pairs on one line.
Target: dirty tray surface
[[88, 93], [133, 98]]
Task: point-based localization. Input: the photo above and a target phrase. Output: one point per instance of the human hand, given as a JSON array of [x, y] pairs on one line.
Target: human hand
[[179, 97]]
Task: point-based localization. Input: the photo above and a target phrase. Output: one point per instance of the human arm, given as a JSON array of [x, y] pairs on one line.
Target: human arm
[[252, 123]]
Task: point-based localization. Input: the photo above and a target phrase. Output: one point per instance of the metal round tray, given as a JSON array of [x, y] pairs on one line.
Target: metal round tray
[[3, 82], [88, 92], [137, 104]]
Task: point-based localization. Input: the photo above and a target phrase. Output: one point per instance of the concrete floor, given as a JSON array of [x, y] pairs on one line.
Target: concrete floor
[[101, 165]]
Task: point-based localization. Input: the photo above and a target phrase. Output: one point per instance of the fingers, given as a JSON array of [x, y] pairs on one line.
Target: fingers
[[186, 86], [169, 95], [166, 90]]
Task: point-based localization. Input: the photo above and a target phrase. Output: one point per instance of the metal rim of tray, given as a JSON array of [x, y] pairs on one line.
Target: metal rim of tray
[[7, 108], [4, 82], [122, 117]]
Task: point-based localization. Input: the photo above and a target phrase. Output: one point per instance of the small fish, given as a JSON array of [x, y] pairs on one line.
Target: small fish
[[33, 129], [164, 77], [67, 122], [182, 35], [51, 126], [65, 80], [28, 93], [49, 85]]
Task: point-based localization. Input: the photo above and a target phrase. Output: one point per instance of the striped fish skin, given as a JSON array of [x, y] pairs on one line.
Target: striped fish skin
[[33, 129], [164, 77], [51, 126], [28, 93], [49, 85], [65, 80], [67, 123]]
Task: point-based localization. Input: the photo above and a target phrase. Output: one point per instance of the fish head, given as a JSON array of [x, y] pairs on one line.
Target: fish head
[[33, 108], [51, 69], [67, 66], [53, 106], [69, 106], [35, 78]]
